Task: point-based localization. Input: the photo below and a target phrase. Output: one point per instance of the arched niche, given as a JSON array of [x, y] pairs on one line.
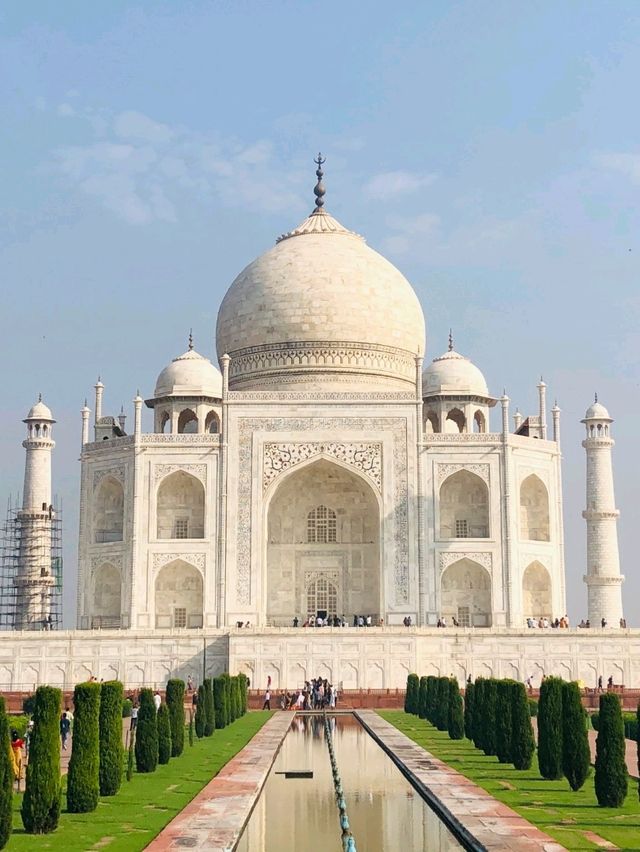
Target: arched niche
[[106, 606], [479, 422], [431, 423], [187, 422], [323, 544], [465, 594], [212, 423], [108, 511], [536, 592], [180, 507], [455, 421], [534, 509], [178, 596], [164, 420], [464, 506]]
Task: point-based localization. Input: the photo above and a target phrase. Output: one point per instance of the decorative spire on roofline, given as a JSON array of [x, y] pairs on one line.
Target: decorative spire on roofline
[[190, 340], [319, 189], [450, 340]]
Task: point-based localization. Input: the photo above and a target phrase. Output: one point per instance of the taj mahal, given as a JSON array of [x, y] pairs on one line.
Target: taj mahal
[[327, 469]]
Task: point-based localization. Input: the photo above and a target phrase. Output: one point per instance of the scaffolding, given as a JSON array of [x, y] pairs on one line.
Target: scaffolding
[[31, 568]]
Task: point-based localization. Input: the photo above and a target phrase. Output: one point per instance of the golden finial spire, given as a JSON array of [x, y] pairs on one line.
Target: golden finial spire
[[319, 189]]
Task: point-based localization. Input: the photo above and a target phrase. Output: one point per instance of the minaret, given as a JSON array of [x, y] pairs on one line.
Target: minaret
[[34, 578], [603, 577]]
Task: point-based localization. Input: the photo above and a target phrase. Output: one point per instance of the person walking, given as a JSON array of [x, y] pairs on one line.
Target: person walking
[[267, 700], [134, 717], [157, 700], [65, 727], [189, 684], [16, 756]]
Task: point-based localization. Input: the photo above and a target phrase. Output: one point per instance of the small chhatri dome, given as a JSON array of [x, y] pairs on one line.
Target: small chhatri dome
[[39, 411], [597, 411], [323, 309], [190, 374], [453, 374]]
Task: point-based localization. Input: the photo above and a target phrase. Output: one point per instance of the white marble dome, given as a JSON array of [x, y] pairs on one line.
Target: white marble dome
[[451, 374], [597, 411], [40, 411], [190, 374], [320, 307]]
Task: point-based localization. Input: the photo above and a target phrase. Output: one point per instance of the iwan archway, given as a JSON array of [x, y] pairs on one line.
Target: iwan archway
[[323, 546]]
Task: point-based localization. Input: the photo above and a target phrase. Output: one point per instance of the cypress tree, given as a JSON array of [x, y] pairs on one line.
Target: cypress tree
[[6, 779], [235, 698], [83, 779], [130, 755], [422, 698], [200, 712], [41, 802], [190, 729], [227, 694], [220, 702], [164, 734], [147, 733], [638, 739], [550, 728], [442, 710], [478, 712], [111, 748], [175, 705], [522, 741], [504, 731], [244, 687], [576, 754], [468, 710], [611, 769], [489, 716], [432, 698], [411, 695], [456, 716], [209, 712]]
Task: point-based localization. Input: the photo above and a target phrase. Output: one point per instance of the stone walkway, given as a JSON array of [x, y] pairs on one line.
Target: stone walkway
[[215, 818], [455, 798]]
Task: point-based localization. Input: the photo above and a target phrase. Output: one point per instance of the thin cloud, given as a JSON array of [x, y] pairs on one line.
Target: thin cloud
[[626, 164], [141, 169], [389, 185]]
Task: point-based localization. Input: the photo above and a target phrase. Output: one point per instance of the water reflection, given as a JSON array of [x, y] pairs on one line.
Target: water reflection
[[385, 812]]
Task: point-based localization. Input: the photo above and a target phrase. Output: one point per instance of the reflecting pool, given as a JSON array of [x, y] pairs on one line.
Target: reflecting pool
[[385, 812]]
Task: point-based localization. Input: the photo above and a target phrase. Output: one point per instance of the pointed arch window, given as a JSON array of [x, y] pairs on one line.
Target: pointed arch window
[[321, 526]]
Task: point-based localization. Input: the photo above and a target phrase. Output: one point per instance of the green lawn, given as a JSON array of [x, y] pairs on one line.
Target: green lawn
[[130, 820], [550, 805]]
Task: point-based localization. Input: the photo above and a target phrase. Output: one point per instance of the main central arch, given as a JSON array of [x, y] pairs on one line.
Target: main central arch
[[323, 545]]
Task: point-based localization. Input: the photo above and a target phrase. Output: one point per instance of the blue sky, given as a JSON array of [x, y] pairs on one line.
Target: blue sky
[[489, 149]]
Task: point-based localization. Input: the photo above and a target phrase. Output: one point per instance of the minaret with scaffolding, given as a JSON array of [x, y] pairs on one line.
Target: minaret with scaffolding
[[31, 566]]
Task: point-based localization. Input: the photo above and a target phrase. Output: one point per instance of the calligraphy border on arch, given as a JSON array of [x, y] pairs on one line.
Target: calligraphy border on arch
[[196, 560], [247, 426], [446, 470]]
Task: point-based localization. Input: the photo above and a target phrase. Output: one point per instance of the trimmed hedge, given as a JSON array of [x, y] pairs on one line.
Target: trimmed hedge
[[164, 734], [478, 702], [83, 779], [550, 729], [220, 702], [200, 712], [6, 779], [127, 707], [629, 720], [442, 710], [422, 698], [576, 754], [533, 707], [209, 710], [111, 748], [175, 705], [147, 734], [611, 780], [488, 716], [432, 698], [522, 741], [244, 696], [41, 802], [411, 694], [504, 727], [469, 698], [455, 721]]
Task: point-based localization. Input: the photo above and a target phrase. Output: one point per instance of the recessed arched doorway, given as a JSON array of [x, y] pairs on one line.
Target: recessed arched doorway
[[323, 546], [465, 594]]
